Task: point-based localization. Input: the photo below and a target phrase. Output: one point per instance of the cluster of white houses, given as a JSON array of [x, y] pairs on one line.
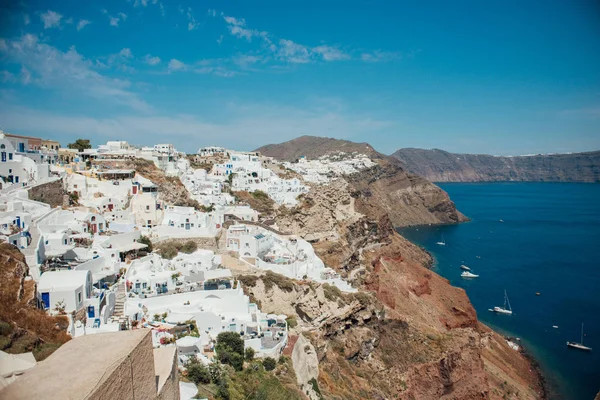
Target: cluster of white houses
[[91, 262], [330, 166]]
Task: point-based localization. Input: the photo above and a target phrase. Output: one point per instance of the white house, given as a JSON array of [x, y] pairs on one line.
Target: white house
[[71, 288]]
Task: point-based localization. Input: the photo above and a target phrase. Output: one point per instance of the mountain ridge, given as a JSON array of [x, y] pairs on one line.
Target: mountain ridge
[[442, 166]]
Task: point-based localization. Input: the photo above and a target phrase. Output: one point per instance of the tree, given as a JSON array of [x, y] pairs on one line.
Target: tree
[[249, 354], [230, 349], [269, 363], [197, 372], [80, 145], [146, 240]]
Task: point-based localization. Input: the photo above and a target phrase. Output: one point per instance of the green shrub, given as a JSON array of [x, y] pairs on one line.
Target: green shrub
[[269, 363], [249, 354], [146, 240], [291, 321], [331, 292], [189, 247], [197, 372]]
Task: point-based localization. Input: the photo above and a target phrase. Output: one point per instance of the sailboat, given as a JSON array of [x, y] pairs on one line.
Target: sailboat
[[503, 310], [443, 242], [579, 346]]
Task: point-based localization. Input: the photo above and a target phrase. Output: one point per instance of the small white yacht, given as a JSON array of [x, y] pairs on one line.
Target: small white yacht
[[464, 267], [468, 274], [442, 243], [579, 346], [503, 310]]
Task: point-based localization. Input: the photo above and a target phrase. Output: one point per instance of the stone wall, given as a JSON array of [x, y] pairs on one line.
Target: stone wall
[[50, 193], [170, 390], [134, 377]]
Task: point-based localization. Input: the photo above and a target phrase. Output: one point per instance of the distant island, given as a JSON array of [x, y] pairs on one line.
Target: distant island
[[441, 166]]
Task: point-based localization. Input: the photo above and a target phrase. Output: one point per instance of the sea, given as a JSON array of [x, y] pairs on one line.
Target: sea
[[529, 238]]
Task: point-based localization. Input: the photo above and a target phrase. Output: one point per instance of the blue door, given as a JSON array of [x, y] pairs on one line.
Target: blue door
[[46, 300], [91, 313], [22, 147]]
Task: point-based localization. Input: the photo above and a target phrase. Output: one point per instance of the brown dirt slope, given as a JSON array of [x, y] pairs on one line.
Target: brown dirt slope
[[23, 327]]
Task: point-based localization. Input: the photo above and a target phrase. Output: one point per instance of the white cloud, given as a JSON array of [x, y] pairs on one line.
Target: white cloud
[[237, 28], [51, 19], [126, 53], [114, 21], [212, 12], [220, 39], [51, 68], [192, 24], [292, 52], [82, 24], [7, 76], [25, 75], [176, 65], [143, 3], [151, 60], [26, 19], [69, 20], [217, 70], [330, 53]]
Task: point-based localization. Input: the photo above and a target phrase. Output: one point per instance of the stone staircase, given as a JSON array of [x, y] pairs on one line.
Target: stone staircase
[[121, 296]]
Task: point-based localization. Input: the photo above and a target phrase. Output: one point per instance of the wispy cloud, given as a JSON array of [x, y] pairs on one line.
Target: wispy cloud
[[379, 56], [330, 53], [51, 68], [82, 24], [192, 23], [51, 19], [176, 65], [115, 20], [26, 19], [150, 60], [289, 51]]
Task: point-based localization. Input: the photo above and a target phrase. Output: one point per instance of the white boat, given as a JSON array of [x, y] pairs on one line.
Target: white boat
[[504, 310], [468, 274], [580, 345], [442, 243], [464, 267]]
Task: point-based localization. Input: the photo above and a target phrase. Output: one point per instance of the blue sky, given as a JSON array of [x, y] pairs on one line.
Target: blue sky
[[500, 77]]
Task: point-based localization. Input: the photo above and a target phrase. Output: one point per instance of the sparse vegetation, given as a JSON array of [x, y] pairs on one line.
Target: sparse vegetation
[[169, 248], [291, 321], [269, 363], [146, 240]]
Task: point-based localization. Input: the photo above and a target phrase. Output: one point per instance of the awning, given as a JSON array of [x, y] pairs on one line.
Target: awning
[[125, 247]]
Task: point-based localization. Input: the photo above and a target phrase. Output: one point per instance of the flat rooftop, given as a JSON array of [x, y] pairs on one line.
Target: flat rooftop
[[73, 370]]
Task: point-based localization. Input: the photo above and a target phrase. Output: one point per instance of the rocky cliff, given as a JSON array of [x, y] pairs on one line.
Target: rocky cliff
[[407, 334], [441, 166]]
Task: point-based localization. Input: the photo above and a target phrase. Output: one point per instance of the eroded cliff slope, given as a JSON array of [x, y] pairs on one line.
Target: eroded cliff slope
[[441, 166], [408, 334]]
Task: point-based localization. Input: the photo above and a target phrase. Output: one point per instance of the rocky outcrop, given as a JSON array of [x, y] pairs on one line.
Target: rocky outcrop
[[52, 193], [441, 166], [406, 199], [24, 327]]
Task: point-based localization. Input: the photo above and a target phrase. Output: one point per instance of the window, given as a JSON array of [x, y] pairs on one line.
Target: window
[[147, 207], [10, 156], [79, 297]]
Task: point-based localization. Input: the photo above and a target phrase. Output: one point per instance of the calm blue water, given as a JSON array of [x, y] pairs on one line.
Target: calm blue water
[[548, 243]]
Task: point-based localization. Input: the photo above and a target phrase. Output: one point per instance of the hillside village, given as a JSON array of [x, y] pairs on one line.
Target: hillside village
[[111, 248]]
